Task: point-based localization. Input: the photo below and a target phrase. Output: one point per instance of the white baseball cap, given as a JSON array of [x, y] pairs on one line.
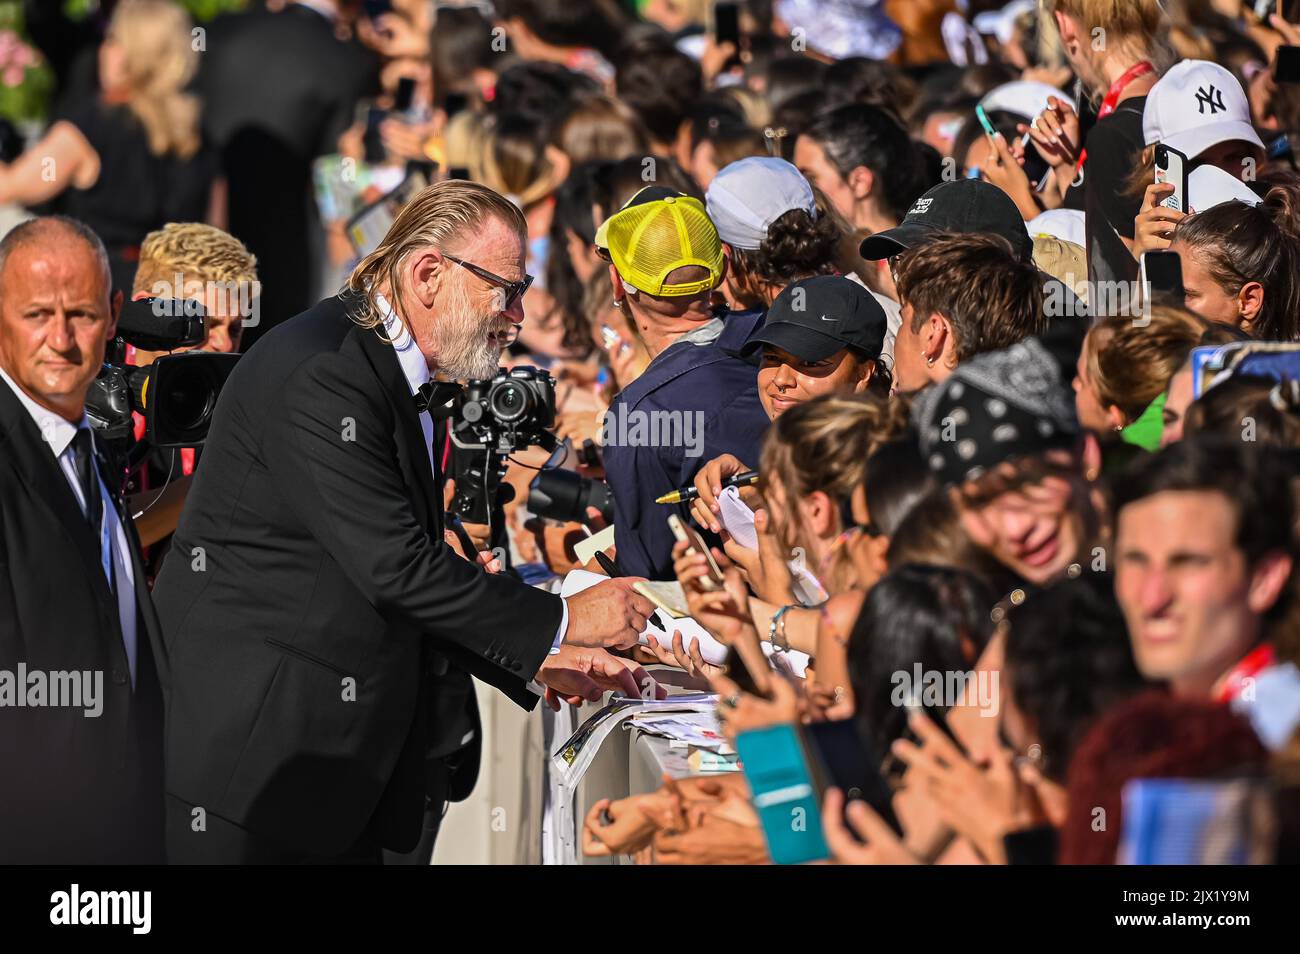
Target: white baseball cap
[[1196, 105], [747, 196]]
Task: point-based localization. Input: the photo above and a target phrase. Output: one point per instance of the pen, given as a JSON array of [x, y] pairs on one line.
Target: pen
[[611, 568], [686, 494]]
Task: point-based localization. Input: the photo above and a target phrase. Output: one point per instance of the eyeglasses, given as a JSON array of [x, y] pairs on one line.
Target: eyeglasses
[[514, 290]]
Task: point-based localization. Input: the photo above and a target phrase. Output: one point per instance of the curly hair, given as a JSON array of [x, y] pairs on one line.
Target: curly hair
[[797, 246], [1154, 735]]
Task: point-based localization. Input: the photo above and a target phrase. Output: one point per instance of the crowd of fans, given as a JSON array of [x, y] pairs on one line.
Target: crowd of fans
[[886, 253]]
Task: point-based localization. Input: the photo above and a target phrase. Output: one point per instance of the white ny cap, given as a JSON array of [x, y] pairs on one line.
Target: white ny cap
[[747, 196], [1196, 105]]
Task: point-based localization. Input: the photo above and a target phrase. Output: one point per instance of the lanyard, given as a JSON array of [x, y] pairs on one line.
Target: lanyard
[[1111, 99], [1254, 662]]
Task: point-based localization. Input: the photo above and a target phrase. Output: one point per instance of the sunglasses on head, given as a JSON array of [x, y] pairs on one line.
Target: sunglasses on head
[[514, 290]]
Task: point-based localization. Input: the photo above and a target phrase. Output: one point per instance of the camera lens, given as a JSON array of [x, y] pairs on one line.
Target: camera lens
[[509, 402], [188, 402]]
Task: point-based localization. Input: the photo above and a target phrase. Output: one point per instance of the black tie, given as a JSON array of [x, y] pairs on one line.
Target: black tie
[[83, 459]]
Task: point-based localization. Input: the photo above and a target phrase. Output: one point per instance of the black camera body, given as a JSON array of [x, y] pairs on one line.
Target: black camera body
[[487, 422], [176, 393]]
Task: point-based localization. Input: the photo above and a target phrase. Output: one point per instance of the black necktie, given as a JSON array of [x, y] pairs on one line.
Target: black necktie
[[83, 461]]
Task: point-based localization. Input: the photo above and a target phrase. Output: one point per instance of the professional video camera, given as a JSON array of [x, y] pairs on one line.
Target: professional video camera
[[559, 494], [176, 393], [489, 421]]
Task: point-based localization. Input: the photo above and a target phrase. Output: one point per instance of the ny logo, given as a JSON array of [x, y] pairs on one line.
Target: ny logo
[[1212, 98]]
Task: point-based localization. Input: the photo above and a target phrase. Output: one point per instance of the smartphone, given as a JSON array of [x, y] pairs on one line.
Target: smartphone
[[781, 784], [1163, 271], [372, 142], [1171, 166], [846, 760], [1286, 68], [688, 535], [404, 98], [983, 117], [726, 23], [458, 172]]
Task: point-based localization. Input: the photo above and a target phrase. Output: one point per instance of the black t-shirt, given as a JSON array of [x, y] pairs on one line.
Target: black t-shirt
[[1114, 145]]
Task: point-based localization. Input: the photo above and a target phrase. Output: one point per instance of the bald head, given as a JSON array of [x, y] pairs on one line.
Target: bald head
[[56, 234]]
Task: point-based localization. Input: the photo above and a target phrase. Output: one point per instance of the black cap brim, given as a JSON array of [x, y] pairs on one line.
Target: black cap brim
[[890, 242], [798, 340]]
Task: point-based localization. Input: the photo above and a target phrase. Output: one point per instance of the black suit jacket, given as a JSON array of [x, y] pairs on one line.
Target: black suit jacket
[[76, 789], [320, 632]]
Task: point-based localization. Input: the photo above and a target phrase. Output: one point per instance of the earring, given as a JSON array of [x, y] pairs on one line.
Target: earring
[[929, 362]]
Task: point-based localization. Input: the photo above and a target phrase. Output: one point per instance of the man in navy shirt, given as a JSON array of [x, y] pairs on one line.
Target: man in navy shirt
[[696, 400]]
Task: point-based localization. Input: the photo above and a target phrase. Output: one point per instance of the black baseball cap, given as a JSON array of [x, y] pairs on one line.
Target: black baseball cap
[[962, 205], [815, 317]]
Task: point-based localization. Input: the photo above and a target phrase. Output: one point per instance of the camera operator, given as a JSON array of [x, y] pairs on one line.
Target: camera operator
[[321, 704], [188, 260], [83, 778]]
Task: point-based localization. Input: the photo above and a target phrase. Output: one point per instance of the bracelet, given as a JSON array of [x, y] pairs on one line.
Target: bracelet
[[777, 628]]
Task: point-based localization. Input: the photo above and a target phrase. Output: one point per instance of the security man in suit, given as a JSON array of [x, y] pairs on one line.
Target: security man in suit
[[81, 698]]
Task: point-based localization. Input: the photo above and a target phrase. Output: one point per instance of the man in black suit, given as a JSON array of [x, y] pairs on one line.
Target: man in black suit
[[278, 89], [82, 759], [322, 634]]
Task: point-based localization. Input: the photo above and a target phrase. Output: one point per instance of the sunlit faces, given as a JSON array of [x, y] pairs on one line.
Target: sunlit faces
[[1178, 398], [1204, 295], [472, 326], [909, 370], [1092, 415], [55, 320], [818, 169], [1190, 601], [785, 380], [1028, 515], [1236, 157]]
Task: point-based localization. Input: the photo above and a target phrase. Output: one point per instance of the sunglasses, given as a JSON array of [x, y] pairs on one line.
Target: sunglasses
[[514, 290]]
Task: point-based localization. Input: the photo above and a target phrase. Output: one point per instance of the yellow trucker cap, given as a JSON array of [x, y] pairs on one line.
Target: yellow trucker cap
[[656, 232]]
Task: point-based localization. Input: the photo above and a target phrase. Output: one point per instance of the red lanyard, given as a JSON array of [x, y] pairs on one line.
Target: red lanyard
[[1111, 99], [1254, 662]]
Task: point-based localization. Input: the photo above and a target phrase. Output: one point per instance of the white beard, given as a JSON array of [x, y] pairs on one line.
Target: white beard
[[464, 350]]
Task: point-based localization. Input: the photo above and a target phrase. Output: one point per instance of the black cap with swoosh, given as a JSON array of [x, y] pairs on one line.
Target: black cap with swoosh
[[814, 318]]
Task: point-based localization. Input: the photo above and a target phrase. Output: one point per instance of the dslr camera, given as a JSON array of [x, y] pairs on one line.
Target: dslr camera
[[176, 393], [487, 422]]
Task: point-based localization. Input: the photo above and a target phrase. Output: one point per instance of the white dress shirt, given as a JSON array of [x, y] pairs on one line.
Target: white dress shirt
[[58, 434], [416, 370]]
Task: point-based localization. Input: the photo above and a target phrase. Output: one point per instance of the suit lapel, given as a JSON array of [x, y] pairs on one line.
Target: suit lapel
[[43, 477], [383, 359]]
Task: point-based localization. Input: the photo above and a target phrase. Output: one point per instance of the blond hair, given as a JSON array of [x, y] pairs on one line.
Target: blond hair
[[160, 61], [436, 216], [1131, 362], [824, 445], [199, 252]]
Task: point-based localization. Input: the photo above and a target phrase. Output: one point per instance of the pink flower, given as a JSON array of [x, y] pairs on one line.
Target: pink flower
[[12, 76]]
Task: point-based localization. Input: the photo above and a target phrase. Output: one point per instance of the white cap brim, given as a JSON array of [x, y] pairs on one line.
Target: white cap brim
[[1192, 142]]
